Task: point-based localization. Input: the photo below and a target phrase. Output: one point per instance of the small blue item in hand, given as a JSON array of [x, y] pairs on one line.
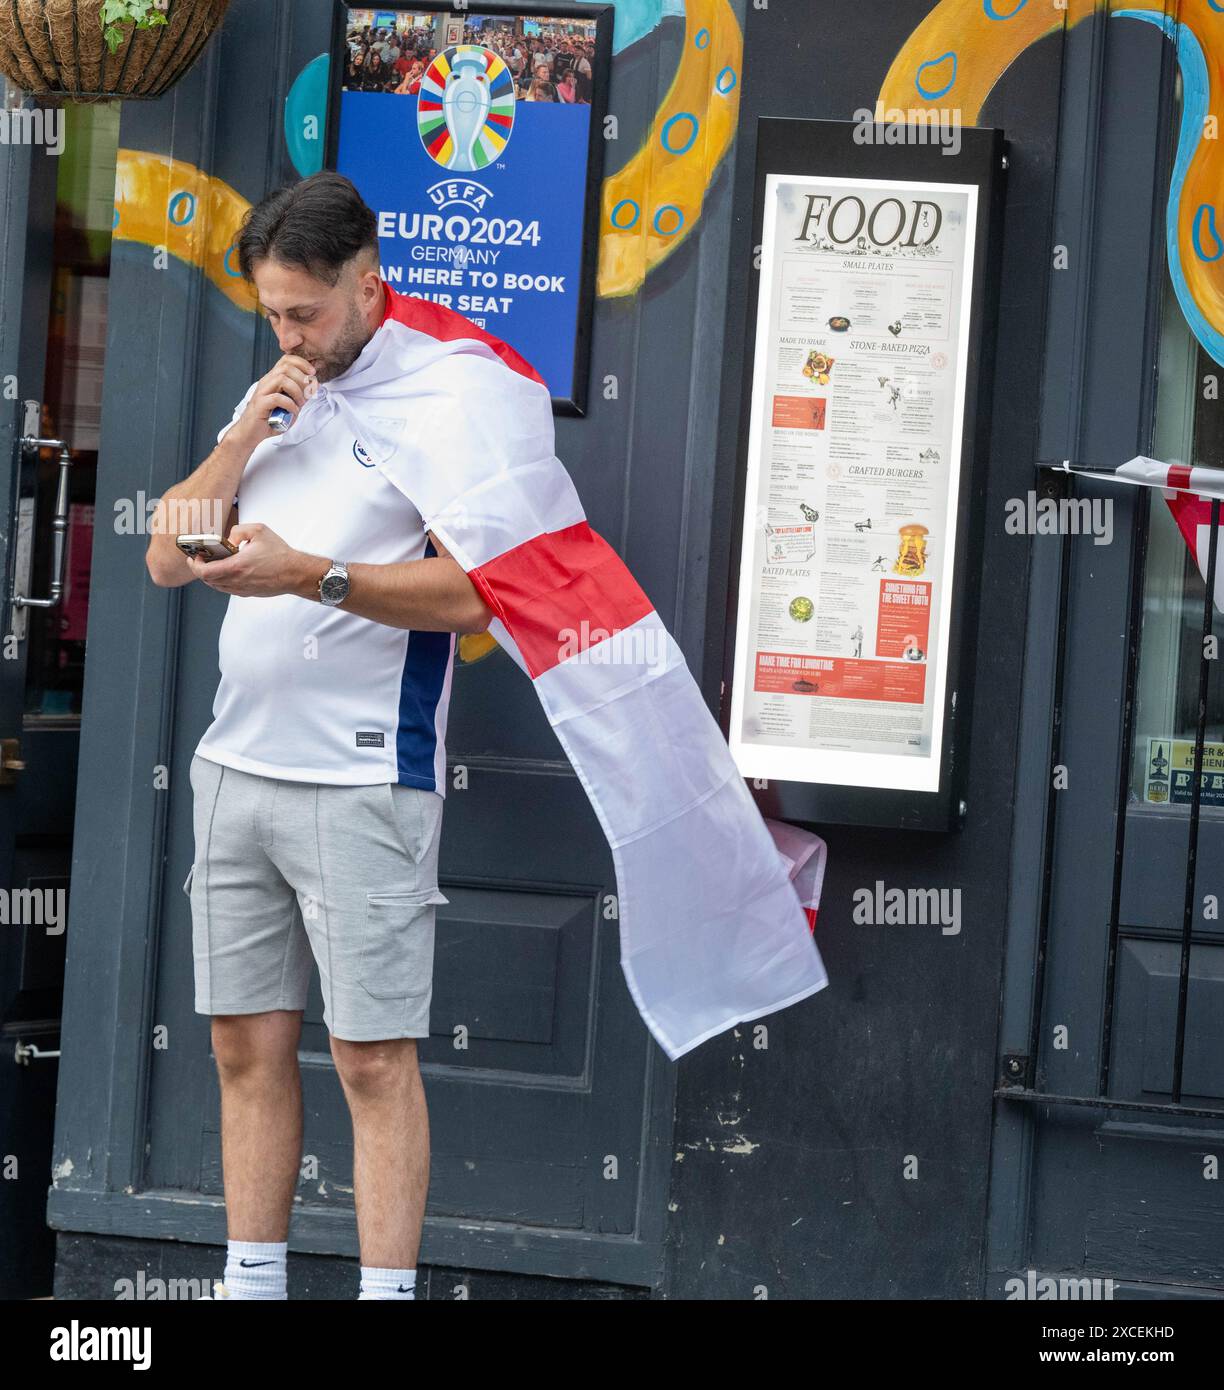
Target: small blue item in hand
[[280, 419]]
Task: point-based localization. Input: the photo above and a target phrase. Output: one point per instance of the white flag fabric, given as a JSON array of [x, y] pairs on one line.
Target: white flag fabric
[[804, 855], [1176, 477], [712, 930]]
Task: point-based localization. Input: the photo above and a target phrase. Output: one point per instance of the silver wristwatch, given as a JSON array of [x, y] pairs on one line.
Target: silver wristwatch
[[334, 586]]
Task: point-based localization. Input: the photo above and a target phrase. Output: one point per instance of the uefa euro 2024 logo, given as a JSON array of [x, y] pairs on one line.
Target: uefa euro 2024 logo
[[465, 107]]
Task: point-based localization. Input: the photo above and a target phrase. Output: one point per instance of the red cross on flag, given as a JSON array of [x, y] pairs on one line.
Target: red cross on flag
[[1188, 492]]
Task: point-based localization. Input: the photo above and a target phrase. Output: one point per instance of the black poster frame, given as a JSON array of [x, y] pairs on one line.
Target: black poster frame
[[836, 149], [575, 402]]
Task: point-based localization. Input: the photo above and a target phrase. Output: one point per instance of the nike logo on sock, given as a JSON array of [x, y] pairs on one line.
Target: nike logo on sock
[[254, 1264], [402, 1289]]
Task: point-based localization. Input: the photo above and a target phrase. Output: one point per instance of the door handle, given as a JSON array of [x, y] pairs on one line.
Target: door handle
[[11, 762], [59, 523]]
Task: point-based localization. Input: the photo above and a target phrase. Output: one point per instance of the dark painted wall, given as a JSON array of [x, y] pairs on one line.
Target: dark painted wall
[[789, 1162], [136, 1151], [786, 1163]]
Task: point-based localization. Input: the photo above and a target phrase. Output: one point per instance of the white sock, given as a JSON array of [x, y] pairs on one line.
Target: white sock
[[387, 1283], [256, 1269]]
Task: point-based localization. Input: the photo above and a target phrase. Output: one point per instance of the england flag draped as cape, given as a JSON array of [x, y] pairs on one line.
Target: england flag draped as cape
[[712, 929]]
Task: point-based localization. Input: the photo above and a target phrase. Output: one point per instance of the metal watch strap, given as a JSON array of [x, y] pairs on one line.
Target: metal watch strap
[[337, 567]]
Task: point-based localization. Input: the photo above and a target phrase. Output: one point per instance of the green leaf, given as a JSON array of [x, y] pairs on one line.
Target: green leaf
[[141, 14]]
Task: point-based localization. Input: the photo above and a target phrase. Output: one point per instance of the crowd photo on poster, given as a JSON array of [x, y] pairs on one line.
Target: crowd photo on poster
[[549, 60]]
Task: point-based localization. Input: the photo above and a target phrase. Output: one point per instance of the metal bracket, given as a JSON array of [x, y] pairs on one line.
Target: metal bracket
[[24, 1051], [1053, 482], [1014, 1071]]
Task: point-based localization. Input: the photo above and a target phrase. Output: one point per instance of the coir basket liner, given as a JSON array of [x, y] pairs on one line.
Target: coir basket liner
[[55, 48]]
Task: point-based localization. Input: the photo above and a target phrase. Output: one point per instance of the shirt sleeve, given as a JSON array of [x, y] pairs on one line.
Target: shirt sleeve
[[238, 409]]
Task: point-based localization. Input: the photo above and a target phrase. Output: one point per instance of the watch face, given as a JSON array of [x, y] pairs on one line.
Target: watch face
[[334, 587]]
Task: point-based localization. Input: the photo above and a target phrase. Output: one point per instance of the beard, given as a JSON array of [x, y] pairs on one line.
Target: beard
[[353, 336]]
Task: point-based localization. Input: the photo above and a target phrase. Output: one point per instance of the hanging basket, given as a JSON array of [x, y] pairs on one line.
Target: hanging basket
[[54, 49]]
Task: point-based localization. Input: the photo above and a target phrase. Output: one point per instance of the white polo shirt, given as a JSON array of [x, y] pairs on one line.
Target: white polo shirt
[[317, 694]]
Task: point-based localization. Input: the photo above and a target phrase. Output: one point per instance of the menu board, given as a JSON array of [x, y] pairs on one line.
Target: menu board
[[852, 481]]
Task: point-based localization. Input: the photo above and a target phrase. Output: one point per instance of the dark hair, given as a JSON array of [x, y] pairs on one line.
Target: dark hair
[[319, 224]]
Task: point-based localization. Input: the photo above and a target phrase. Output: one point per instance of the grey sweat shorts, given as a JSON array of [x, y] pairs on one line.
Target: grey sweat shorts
[[286, 870]]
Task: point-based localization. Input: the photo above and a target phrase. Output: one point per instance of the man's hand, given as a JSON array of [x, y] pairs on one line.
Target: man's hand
[[434, 594], [264, 566], [290, 384]]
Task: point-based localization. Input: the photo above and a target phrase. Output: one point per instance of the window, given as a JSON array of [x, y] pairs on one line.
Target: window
[[1188, 430], [72, 407]]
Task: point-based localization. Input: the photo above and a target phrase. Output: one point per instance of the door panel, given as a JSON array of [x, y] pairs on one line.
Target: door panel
[[544, 1086], [1106, 1179], [31, 957]]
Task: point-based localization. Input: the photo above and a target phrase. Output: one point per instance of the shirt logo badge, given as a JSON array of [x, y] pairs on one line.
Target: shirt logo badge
[[369, 740], [362, 455]]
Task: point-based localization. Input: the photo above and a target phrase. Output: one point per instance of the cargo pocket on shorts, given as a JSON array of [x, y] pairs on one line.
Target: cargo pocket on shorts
[[398, 949]]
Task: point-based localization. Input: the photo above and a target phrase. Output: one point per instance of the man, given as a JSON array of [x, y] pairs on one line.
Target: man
[[416, 494], [536, 83], [319, 785], [583, 69]]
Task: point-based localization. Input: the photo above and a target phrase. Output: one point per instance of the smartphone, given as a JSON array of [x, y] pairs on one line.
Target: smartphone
[[207, 547]]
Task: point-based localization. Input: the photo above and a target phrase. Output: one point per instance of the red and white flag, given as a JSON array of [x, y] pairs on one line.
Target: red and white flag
[[713, 931], [1188, 492]]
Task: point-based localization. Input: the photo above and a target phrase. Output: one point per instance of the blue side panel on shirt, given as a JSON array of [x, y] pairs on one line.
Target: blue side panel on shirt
[[421, 682]]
